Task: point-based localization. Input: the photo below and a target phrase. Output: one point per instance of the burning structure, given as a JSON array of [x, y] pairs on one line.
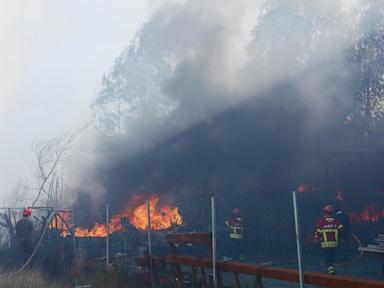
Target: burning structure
[[163, 216], [295, 104], [300, 113], [126, 224]]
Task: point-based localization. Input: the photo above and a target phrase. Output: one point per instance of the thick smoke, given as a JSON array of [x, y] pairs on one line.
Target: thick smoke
[[252, 93]]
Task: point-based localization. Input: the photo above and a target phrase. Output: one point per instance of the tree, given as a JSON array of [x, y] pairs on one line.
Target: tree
[[49, 156], [367, 54], [288, 37], [132, 91]]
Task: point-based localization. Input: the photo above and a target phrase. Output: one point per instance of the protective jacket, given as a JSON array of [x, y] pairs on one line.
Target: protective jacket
[[327, 230], [24, 229], [235, 224]]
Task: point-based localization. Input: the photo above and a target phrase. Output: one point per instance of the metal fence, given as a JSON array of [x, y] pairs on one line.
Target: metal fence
[[269, 238]]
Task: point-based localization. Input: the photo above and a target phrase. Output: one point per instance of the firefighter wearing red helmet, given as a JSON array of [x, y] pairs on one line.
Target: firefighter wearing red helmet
[[327, 233], [27, 212], [24, 231], [236, 229]]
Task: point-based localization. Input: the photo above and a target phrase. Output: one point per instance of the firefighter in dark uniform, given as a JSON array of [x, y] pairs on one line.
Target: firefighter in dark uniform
[[345, 233], [24, 231], [236, 229], [327, 233]]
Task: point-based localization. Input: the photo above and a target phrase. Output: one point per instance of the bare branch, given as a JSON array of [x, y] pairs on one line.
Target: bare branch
[[49, 154]]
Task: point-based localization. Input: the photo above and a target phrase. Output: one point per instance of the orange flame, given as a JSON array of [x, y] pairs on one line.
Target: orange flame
[[301, 188], [339, 195], [371, 213], [163, 216], [62, 223], [98, 230], [305, 187]]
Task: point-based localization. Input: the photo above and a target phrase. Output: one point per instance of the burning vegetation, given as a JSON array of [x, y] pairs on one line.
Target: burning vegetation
[[369, 212], [61, 222], [163, 216]]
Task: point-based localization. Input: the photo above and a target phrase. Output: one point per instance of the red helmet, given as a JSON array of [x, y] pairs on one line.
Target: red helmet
[[235, 210], [329, 209], [27, 212]]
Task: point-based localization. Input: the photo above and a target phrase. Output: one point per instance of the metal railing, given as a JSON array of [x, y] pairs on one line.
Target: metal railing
[[174, 261]]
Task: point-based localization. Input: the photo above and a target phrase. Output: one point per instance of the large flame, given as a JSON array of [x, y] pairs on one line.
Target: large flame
[[98, 230], [162, 216]]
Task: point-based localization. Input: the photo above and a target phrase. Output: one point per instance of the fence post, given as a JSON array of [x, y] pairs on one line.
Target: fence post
[[298, 239], [258, 282], [107, 236], [213, 213], [149, 242], [74, 232]]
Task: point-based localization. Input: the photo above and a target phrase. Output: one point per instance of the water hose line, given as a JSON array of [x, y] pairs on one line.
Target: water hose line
[[37, 245]]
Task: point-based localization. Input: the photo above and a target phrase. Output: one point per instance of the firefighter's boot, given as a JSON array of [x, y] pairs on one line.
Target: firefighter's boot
[[331, 270]]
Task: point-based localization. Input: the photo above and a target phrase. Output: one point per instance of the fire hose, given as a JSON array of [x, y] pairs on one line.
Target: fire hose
[[48, 222], [357, 257], [354, 259]]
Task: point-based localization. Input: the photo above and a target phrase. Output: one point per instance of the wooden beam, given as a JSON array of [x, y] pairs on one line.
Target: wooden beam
[[195, 238]]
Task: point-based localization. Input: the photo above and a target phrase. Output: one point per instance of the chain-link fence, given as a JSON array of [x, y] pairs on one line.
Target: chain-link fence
[[267, 229], [267, 235]]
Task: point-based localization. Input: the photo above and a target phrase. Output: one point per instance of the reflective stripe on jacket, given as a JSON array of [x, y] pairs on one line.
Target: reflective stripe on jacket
[[327, 229], [235, 224], [236, 232]]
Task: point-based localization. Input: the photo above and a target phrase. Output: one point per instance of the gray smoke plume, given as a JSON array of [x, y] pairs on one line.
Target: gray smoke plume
[[227, 97]]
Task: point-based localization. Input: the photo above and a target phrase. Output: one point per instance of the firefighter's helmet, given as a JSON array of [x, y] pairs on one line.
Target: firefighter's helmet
[[329, 209], [27, 212], [235, 210]]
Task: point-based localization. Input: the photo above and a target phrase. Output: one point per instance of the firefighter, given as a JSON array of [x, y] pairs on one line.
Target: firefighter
[[327, 233], [235, 226], [345, 233], [24, 230]]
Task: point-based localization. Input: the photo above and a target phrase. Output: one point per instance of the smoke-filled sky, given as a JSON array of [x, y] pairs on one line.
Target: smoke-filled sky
[[52, 57]]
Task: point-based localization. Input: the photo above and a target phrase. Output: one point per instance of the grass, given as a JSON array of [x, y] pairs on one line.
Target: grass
[[27, 279], [92, 274]]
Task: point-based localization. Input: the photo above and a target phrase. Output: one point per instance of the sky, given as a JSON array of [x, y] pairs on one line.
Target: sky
[[53, 54]]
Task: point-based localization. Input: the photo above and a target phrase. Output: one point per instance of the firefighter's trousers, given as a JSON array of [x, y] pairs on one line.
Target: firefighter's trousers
[[329, 256]]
